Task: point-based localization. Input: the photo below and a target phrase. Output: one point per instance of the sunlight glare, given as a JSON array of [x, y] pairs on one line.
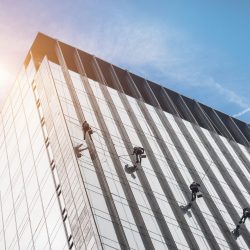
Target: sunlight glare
[[4, 76]]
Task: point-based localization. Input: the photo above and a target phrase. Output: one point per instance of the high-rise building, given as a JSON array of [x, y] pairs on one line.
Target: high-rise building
[[72, 175]]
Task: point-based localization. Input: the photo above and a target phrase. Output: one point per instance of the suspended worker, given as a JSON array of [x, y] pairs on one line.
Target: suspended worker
[[139, 153], [246, 214], [87, 129], [195, 190], [130, 170], [194, 187]]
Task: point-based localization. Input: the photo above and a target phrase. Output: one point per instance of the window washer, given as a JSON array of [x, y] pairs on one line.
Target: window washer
[[130, 170], [194, 187], [139, 153], [246, 214], [195, 190], [87, 129]]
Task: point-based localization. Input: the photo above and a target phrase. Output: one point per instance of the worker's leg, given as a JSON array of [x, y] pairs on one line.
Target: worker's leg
[[244, 219], [193, 196], [137, 158], [241, 219], [133, 176]]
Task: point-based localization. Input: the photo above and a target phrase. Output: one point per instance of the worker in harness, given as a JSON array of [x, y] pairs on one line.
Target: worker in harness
[[246, 214], [195, 190], [87, 129], [139, 154], [194, 187]]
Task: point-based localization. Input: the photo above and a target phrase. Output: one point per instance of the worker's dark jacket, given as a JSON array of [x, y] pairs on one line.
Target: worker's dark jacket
[[194, 187]]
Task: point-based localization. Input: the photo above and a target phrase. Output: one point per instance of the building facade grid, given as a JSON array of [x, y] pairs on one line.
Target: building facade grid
[[56, 200]]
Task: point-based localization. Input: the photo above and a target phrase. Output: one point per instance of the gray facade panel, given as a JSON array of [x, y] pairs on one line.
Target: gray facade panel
[[142, 177], [165, 186], [119, 169]]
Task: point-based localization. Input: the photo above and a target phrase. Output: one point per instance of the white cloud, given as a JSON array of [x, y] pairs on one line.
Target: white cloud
[[126, 43], [243, 112], [230, 95], [133, 44], [168, 52]]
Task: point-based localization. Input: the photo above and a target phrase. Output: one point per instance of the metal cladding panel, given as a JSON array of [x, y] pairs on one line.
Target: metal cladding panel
[[44, 45]]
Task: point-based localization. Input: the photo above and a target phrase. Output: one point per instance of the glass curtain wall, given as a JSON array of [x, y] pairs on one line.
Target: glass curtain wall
[[100, 210], [30, 212]]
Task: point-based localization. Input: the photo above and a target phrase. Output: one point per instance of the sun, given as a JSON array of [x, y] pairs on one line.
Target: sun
[[4, 76]]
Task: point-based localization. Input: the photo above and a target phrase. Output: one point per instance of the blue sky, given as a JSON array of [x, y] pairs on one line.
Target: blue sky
[[198, 48]]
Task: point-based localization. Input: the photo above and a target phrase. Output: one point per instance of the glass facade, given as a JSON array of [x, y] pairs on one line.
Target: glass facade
[[52, 198], [30, 212]]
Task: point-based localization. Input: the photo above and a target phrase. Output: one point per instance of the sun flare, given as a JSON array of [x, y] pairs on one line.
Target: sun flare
[[4, 76]]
